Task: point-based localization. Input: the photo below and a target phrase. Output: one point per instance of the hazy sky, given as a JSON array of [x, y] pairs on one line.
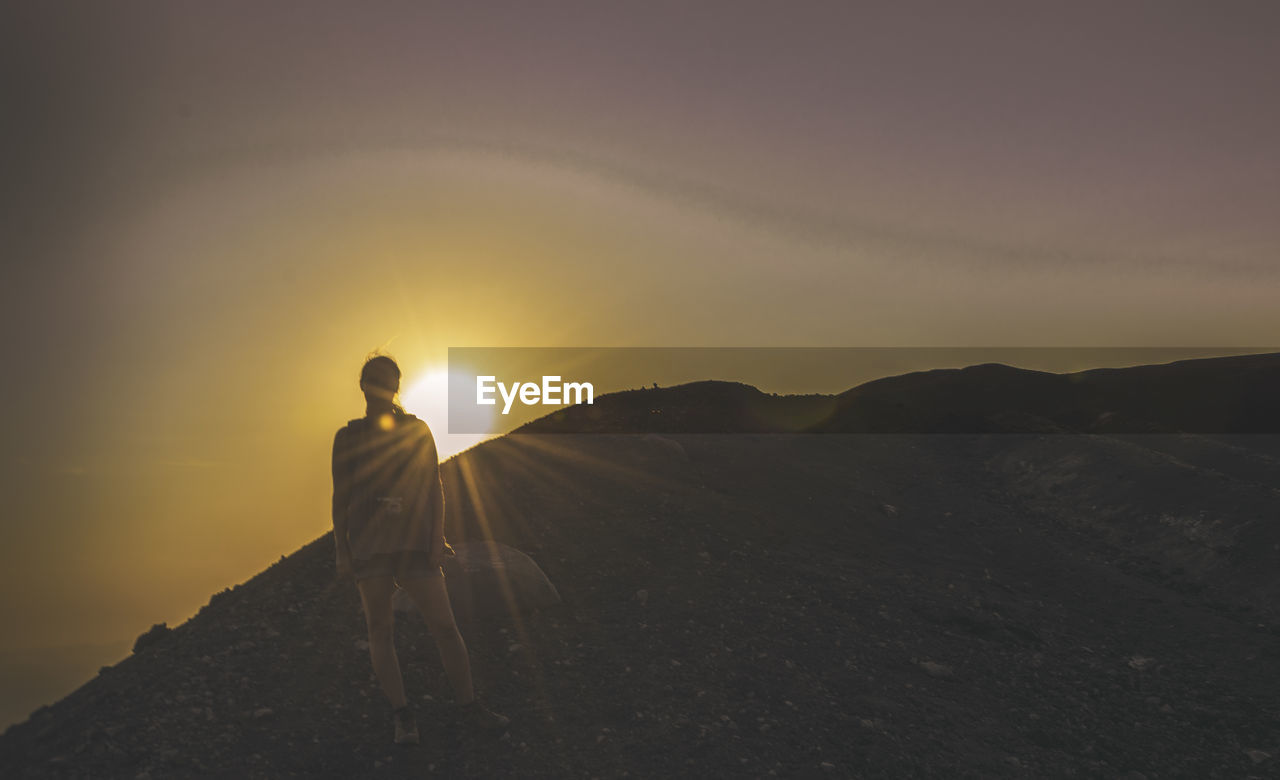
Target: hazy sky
[[213, 211]]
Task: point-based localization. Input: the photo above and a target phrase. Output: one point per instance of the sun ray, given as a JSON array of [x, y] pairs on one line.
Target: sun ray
[[476, 496]]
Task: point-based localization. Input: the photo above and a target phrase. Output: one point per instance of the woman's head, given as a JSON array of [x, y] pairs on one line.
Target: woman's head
[[380, 381]]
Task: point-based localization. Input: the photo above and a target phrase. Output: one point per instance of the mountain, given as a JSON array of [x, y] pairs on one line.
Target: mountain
[[697, 407], [1229, 395], [891, 604]]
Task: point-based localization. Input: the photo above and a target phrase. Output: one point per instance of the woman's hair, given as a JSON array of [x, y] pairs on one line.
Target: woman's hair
[[381, 371]]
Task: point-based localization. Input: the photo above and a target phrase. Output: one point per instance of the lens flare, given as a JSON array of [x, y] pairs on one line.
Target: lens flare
[[428, 398]]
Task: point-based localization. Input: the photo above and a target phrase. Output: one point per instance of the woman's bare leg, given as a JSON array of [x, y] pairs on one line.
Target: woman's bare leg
[[376, 593], [432, 598]]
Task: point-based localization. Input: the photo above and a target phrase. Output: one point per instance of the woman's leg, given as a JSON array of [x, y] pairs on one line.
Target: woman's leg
[[432, 598], [376, 593]]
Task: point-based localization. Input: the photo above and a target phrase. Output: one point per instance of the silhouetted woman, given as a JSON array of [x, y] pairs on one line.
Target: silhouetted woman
[[388, 524]]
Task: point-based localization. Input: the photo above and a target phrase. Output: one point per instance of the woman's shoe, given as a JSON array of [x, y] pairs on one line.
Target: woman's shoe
[[406, 727], [476, 716]]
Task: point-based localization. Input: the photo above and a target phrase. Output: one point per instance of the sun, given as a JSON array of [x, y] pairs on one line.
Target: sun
[[428, 398]]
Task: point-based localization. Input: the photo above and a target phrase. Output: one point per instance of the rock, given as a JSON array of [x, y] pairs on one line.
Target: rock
[[889, 510], [668, 447], [362, 644], [1139, 668], [1257, 756], [642, 596], [489, 579], [155, 635], [263, 712], [937, 670]]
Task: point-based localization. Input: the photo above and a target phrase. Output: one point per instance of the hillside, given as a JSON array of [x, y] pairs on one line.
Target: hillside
[[869, 605], [1229, 395]]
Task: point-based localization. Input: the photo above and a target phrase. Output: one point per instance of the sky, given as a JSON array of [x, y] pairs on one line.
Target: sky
[[212, 212]]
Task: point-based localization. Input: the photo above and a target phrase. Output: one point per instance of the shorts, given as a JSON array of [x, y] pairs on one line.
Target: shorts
[[405, 565]]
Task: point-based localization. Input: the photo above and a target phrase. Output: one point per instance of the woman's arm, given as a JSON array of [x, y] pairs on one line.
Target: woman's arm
[[437, 511], [341, 496], [440, 548], [430, 469]]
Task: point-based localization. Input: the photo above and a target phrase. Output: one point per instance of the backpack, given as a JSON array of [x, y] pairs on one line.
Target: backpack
[[389, 491]]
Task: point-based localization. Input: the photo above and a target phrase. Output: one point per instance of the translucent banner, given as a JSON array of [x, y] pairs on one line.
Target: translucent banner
[[863, 389]]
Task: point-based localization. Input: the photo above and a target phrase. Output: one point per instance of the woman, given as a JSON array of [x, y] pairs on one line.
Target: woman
[[388, 524]]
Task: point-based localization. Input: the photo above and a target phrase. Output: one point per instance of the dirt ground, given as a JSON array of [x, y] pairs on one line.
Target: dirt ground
[[758, 606]]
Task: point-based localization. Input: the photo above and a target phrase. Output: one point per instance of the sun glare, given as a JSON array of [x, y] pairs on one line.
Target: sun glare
[[428, 398]]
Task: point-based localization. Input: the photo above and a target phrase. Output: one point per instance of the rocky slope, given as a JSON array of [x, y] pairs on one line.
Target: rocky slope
[[1030, 605]]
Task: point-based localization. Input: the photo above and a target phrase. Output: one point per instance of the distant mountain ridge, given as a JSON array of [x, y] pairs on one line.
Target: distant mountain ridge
[[1228, 395]]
